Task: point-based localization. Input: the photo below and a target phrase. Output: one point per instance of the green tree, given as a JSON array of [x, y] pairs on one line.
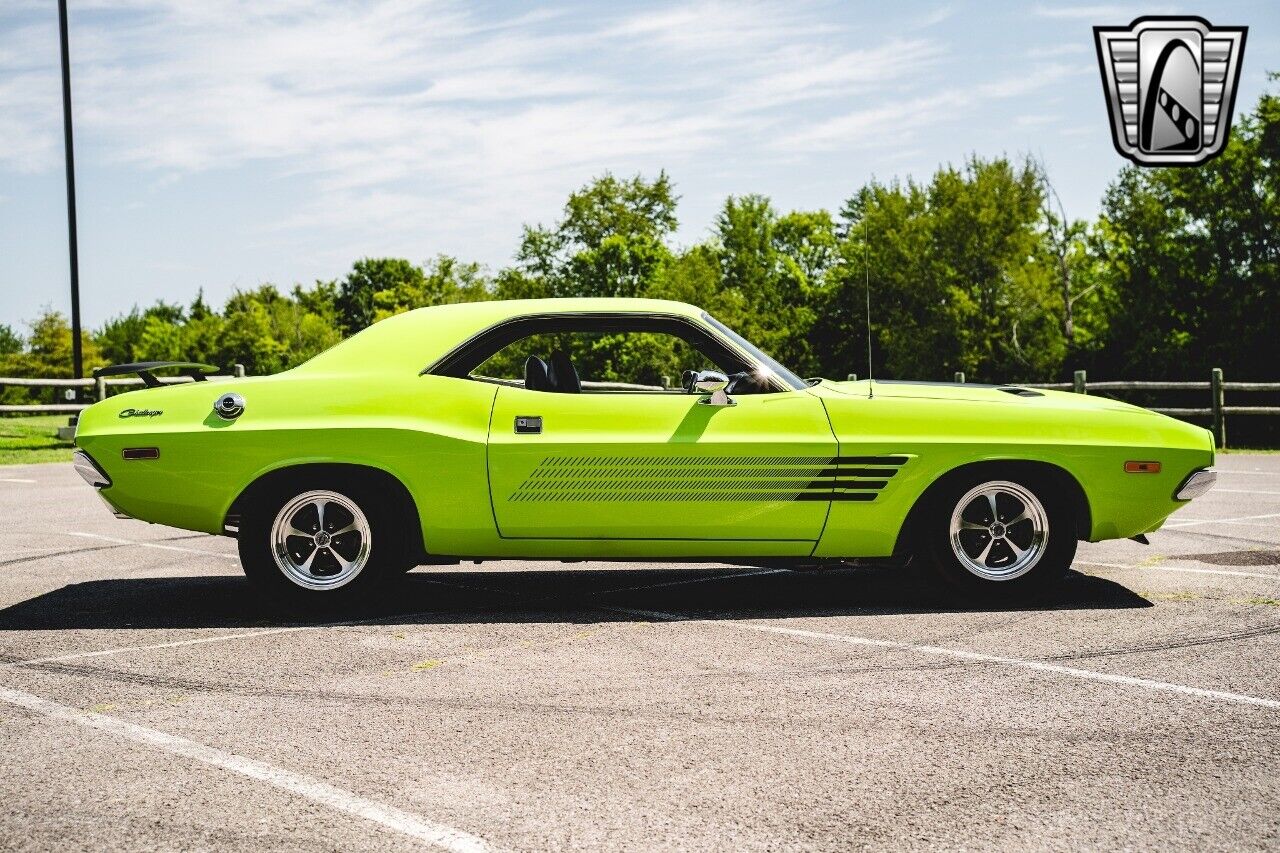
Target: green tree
[[610, 242], [959, 279], [10, 341], [445, 280], [1193, 257], [368, 276], [777, 266]]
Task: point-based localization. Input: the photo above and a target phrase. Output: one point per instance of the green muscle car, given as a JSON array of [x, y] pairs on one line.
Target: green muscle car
[[477, 431]]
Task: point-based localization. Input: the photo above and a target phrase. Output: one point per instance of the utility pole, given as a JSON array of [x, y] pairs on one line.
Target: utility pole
[[77, 357]]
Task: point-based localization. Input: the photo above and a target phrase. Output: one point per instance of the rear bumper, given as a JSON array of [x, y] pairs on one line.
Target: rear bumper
[[89, 470], [1196, 484], [96, 477]]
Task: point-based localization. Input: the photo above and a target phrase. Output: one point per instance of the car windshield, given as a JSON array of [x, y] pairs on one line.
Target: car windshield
[[765, 360]]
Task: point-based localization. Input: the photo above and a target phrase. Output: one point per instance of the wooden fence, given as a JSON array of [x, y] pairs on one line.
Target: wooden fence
[[98, 384], [1216, 411]]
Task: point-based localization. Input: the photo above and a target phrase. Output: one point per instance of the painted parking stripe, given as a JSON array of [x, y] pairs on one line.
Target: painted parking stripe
[[705, 579], [1252, 473], [962, 654], [943, 651], [1268, 525], [1187, 569], [338, 799], [1234, 520], [117, 540], [14, 480], [220, 638], [1243, 492]]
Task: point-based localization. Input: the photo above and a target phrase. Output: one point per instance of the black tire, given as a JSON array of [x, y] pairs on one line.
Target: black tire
[[347, 566], [992, 568]]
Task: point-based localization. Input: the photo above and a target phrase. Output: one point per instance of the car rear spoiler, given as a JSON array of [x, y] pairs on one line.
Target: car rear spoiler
[[194, 369]]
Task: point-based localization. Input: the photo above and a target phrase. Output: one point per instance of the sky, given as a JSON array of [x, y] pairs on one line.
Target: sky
[[221, 144]]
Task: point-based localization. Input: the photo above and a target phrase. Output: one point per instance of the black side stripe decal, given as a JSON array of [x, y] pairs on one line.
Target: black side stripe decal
[[678, 478]]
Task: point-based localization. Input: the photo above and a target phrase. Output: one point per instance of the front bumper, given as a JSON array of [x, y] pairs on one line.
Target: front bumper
[[1196, 484]]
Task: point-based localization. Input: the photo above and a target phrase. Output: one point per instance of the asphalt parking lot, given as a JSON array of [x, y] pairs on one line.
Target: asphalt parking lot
[[147, 702]]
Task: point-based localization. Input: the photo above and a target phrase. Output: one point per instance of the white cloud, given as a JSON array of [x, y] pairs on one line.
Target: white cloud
[[894, 124], [424, 124], [935, 17], [1099, 14], [399, 112]]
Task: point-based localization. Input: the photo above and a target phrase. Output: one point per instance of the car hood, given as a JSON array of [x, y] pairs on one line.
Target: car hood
[[1014, 395]]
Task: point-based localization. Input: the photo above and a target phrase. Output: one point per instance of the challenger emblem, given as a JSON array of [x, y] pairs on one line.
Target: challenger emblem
[[141, 413], [1170, 84]]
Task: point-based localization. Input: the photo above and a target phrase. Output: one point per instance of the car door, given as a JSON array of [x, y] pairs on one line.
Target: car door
[[659, 466]]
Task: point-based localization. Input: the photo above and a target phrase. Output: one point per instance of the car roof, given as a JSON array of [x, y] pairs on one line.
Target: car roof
[[419, 337]]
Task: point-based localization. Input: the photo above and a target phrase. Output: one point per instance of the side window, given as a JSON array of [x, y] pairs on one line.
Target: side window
[[615, 361]]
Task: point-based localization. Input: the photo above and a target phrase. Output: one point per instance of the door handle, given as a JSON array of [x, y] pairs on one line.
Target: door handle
[[528, 424]]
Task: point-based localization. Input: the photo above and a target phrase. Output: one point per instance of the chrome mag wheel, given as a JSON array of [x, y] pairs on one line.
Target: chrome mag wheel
[[999, 530], [320, 540]]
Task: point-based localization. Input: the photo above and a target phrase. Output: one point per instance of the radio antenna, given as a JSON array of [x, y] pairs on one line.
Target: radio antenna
[[866, 263]]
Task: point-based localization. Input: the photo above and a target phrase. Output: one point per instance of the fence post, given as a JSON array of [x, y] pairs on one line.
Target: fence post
[[1219, 420], [1078, 384], [853, 377], [100, 388], [238, 370], [960, 376]]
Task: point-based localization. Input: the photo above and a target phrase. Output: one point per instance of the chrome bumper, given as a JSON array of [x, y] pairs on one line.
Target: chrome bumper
[[96, 477], [89, 470], [1196, 484]]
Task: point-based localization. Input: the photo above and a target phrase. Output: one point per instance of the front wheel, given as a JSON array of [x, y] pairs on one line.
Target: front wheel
[[1000, 538], [317, 542]]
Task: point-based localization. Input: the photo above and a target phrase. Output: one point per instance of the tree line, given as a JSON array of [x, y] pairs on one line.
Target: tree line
[[978, 269]]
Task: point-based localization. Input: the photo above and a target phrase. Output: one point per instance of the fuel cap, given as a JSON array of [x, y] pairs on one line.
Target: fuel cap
[[229, 406]]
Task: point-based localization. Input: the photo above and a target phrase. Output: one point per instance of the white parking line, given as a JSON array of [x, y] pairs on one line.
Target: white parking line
[[1252, 473], [170, 645], [141, 544], [173, 644], [753, 573], [1271, 526], [1084, 674], [14, 480], [443, 837], [1160, 566], [942, 651], [1163, 568], [1235, 520], [1243, 492]]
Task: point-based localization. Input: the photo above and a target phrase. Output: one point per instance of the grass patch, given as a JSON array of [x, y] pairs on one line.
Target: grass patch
[[28, 440]]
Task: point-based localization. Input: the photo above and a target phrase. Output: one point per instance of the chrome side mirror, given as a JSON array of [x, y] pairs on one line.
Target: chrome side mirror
[[712, 382]]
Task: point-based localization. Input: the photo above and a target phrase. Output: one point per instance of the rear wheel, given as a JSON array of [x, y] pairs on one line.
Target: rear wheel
[[320, 541], [999, 537]]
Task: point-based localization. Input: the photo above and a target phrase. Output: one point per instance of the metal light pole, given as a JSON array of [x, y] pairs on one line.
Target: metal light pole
[[77, 357]]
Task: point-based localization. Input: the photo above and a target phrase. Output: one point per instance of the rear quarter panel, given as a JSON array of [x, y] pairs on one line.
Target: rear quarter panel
[[427, 431]]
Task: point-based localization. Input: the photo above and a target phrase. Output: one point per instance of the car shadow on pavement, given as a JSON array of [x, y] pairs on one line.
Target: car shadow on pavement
[[549, 595]]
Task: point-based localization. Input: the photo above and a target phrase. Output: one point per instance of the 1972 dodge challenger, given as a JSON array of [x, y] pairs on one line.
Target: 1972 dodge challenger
[[468, 432]]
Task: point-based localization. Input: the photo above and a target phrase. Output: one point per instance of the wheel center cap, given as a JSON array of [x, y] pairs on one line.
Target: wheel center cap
[[997, 530], [322, 539]]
